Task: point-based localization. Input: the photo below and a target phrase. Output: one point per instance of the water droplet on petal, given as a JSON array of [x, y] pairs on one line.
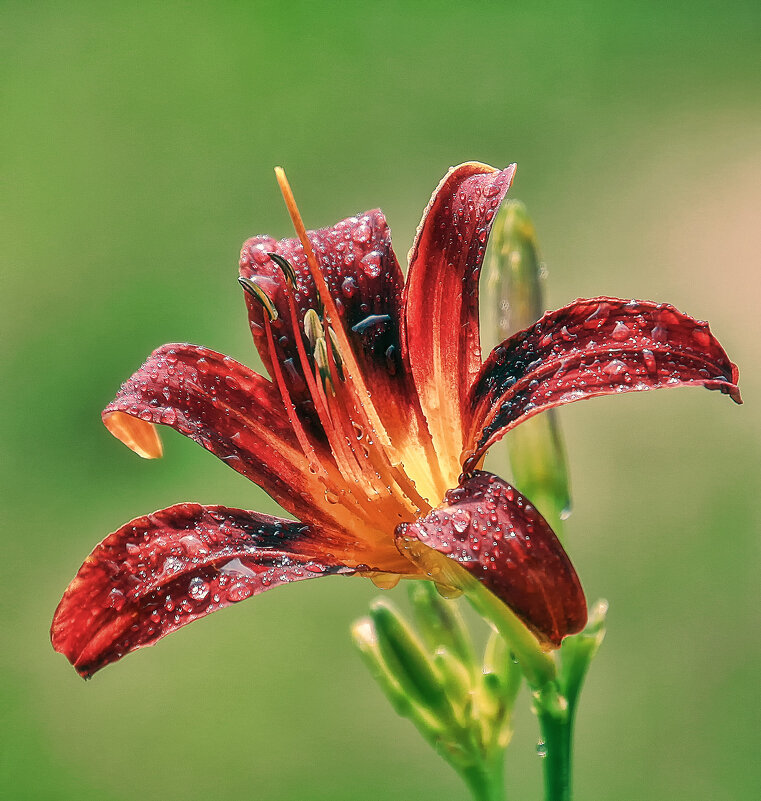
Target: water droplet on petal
[[649, 359], [460, 520], [116, 599], [349, 286], [238, 591], [168, 417], [198, 589], [371, 264], [361, 233]]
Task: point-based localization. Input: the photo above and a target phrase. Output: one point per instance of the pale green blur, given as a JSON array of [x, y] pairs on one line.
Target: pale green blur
[[138, 142]]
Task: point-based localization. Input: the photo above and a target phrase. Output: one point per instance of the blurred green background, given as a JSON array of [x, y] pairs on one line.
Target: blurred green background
[[138, 141]]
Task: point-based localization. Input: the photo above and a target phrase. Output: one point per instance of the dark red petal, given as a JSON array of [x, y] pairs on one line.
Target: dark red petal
[[162, 571], [232, 411], [594, 347], [499, 537], [441, 296], [364, 279]]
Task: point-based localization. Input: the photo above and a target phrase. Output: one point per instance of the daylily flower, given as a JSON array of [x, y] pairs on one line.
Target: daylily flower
[[371, 430]]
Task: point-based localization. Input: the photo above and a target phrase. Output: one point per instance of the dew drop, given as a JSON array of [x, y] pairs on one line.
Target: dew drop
[[168, 417], [615, 368], [620, 331], [116, 599], [235, 566], [238, 591], [198, 589], [649, 359], [361, 233], [460, 520], [371, 264], [349, 286]]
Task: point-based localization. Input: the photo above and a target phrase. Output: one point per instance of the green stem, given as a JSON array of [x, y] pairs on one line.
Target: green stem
[[557, 745], [486, 780]]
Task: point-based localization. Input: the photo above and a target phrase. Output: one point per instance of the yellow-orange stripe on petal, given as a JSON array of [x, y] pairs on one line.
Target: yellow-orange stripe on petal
[[440, 334]]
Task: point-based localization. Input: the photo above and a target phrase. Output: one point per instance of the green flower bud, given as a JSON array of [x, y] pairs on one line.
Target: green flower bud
[[514, 277], [408, 662]]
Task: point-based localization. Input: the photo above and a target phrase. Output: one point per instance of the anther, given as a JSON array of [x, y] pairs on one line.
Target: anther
[[321, 360], [335, 351], [312, 326], [257, 292], [285, 266]]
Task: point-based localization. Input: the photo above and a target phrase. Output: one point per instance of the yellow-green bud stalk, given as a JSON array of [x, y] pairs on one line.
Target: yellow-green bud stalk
[[513, 300]]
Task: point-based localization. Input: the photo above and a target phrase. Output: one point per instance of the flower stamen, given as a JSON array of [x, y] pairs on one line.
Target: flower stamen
[[256, 292]]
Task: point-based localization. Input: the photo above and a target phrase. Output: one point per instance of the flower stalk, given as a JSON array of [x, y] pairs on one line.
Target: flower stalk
[[516, 278]]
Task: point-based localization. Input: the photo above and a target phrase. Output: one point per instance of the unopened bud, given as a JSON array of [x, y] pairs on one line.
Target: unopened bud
[[408, 662], [514, 281], [578, 651]]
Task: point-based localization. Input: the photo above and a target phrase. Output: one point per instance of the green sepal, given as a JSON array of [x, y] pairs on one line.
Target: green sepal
[[578, 651]]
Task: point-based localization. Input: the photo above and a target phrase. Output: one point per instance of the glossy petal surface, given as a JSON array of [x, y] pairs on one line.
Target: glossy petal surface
[[441, 297], [233, 412], [162, 571], [499, 537], [601, 346], [365, 281]]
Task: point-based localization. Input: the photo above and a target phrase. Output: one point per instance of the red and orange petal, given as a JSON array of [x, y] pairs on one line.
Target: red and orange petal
[[600, 346], [441, 333], [495, 533], [364, 280], [160, 572], [237, 415]]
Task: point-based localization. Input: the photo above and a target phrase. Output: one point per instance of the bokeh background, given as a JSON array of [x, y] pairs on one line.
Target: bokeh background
[[138, 141]]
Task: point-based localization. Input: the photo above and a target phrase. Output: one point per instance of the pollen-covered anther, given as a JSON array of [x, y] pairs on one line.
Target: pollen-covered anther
[[312, 326], [322, 362], [253, 289]]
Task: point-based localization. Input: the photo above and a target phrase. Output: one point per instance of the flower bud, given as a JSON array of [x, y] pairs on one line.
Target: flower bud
[[408, 661], [514, 283]]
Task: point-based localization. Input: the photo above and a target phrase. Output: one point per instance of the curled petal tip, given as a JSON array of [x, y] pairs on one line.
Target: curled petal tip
[[138, 435]]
